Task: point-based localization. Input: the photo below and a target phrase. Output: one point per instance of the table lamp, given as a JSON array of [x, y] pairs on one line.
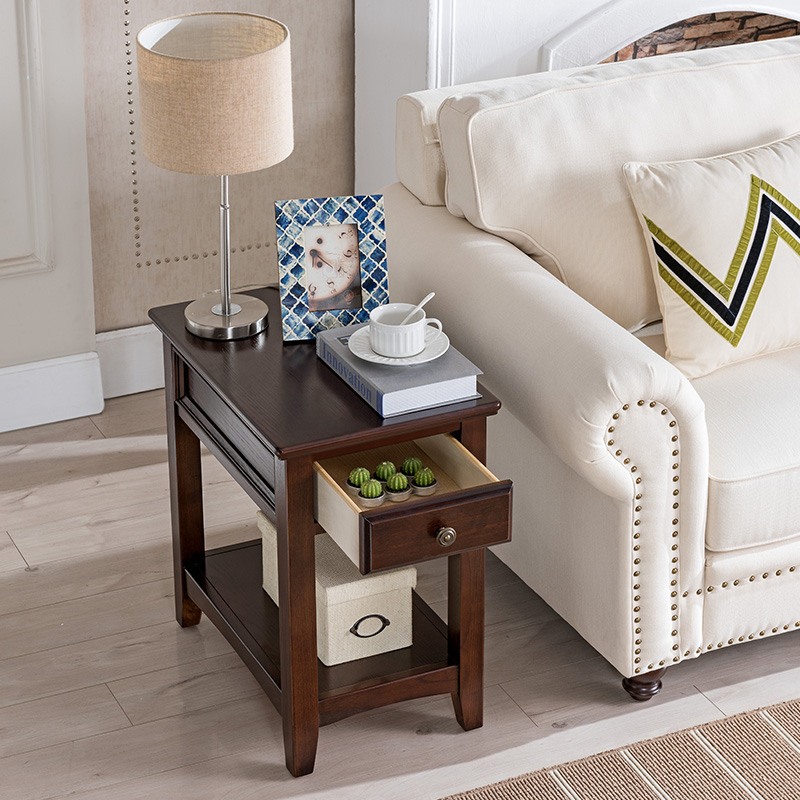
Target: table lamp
[[215, 91]]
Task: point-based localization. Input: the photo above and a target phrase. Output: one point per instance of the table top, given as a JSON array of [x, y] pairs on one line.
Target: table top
[[287, 394]]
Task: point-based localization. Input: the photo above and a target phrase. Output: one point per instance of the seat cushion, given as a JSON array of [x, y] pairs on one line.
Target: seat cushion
[[754, 450]]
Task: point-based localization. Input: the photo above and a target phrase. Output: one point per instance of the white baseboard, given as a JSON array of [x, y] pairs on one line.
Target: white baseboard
[[126, 362], [131, 360], [50, 391]]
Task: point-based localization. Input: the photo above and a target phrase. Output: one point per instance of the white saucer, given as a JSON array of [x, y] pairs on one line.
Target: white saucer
[[359, 346]]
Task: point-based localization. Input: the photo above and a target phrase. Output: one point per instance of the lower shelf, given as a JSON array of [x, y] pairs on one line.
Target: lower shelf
[[226, 586]]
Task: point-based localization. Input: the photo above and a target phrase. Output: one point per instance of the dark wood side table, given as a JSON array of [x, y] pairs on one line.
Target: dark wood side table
[[268, 411]]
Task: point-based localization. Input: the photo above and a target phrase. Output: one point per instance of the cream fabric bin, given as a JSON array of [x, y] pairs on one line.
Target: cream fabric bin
[[357, 615]]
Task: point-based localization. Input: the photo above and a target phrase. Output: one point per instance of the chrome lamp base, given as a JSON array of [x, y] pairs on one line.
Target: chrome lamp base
[[248, 317], [224, 316]]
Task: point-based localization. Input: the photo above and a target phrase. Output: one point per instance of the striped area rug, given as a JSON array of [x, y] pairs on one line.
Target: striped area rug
[[752, 756]]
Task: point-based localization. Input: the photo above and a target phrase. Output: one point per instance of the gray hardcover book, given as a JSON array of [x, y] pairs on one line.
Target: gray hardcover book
[[392, 390]]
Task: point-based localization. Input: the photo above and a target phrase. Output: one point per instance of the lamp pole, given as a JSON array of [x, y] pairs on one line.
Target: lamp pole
[[225, 308]]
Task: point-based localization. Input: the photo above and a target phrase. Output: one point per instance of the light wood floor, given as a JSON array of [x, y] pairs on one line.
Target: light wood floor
[[103, 696]]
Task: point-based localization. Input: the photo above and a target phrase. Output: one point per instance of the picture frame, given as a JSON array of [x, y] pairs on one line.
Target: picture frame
[[331, 262]]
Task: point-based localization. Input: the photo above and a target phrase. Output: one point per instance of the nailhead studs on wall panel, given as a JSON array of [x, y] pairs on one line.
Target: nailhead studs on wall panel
[[129, 34]]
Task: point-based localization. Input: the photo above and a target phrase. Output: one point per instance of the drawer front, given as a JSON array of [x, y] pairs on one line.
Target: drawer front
[[394, 537], [228, 427]]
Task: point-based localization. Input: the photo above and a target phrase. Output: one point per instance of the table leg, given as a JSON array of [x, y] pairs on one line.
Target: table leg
[[294, 496], [465, 611], [465, 622], [186, 491]]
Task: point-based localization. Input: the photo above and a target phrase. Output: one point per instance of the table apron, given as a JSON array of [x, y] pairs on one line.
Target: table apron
[[244, 473]]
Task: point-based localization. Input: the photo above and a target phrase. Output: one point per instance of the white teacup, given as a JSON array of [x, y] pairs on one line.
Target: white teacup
[[388, 337]]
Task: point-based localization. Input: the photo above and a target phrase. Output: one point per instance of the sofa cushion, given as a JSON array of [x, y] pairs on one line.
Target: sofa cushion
[[418, 156], [723, 239], [545, 171], [754, 451]]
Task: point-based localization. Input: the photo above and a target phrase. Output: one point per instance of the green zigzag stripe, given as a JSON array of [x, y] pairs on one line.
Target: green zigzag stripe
[[724, 288]]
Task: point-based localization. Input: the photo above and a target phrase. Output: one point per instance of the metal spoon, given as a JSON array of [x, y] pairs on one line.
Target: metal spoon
[[418, 306]]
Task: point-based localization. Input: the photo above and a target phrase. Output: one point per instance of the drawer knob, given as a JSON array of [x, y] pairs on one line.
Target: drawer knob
[[446, 536]]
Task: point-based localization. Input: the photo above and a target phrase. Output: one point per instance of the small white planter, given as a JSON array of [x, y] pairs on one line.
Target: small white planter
[[371, 502], [398, 497], [423, 491]]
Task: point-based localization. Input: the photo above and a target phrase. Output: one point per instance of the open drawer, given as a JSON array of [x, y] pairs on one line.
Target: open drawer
[[470, 509]]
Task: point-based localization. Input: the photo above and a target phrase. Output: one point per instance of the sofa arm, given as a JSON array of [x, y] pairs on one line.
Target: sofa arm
[[621, 417], [562, 366]]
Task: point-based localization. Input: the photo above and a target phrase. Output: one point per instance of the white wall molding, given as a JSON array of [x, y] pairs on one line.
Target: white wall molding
[[50, 391], [394, 55], [131, 360], [45, 237], [34, 157], [616, 24], [441, 43], [126, 362]]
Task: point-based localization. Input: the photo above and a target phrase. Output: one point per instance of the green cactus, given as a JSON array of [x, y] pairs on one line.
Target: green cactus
[[384, 470], [424, 477], [358, 477], [411, 466], [371, 488], [397, 482]]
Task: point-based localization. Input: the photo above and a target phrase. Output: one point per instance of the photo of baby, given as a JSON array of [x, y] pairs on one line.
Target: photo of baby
[[332, 267]]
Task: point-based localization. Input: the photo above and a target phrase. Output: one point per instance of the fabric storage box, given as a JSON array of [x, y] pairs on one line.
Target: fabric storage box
[[357, 615]]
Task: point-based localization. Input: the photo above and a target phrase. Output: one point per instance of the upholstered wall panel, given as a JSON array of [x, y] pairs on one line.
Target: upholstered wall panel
[[155, 233]]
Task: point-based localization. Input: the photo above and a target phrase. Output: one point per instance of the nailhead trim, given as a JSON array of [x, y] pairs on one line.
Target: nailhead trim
[[618, 454], [768, 631], [738, 581]]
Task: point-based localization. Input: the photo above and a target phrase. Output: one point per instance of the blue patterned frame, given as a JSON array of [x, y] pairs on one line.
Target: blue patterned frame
[[292, 217]]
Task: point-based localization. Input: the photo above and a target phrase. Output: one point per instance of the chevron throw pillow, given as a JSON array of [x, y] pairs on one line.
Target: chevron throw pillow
[[723, 235]]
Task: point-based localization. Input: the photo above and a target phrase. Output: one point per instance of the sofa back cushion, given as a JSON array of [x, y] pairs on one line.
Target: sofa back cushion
[[418, 154], [539, 161]]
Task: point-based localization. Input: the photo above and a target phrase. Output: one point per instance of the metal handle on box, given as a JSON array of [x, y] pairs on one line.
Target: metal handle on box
[[384, 624]]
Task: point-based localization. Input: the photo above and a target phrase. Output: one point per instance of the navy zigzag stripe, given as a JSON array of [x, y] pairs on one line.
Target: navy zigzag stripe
[[753, 257], [692, 282], [729, 313], [786, 218]]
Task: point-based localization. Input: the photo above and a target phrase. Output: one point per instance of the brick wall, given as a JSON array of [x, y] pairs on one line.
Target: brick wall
[[709, 30]]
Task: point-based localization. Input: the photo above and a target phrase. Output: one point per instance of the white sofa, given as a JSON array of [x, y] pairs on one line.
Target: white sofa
[[660, 517]]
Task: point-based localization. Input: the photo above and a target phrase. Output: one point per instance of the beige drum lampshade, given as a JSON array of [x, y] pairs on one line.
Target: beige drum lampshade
[[215, 91]]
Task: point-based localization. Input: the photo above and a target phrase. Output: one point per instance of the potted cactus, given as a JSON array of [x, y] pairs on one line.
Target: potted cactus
[[384, 470], [357, 478], [371, 493], [424, 481], [411, 466], [397, 488]]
